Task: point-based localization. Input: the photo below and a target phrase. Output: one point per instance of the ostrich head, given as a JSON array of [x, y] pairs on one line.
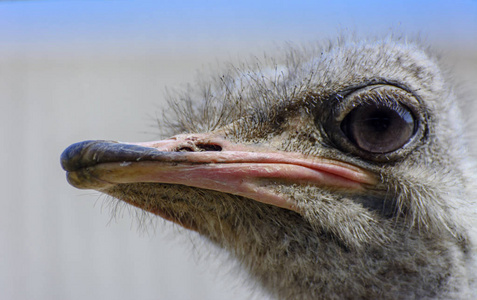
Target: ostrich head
[[339, 172]]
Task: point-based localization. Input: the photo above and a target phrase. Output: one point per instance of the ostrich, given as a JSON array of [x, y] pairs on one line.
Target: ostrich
[[337, 172]]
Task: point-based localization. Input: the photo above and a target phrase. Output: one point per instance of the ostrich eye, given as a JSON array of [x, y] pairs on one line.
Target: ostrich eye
[[379, 128], [377, 123]]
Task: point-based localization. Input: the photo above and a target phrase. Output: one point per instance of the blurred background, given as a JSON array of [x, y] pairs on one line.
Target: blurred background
[[77, 70]]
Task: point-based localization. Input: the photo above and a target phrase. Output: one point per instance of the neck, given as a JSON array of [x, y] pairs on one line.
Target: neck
[[291, 260]]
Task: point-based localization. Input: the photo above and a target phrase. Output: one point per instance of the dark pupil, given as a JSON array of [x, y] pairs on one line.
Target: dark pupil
[[379, 128], [380, 122]]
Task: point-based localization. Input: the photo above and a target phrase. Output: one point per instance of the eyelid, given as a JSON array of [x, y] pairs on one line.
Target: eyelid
[[390, 96]]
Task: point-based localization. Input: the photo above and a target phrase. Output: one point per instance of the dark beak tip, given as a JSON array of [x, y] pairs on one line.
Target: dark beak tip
[[90, 153], [71, 158]]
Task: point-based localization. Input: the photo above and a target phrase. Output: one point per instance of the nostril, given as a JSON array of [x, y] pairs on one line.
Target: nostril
[[184, 149], [198, 148], [209, 147]]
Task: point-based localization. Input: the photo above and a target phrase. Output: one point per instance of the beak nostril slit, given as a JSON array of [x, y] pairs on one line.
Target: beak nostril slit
[[209, 147], [184, 149], [198, 148]]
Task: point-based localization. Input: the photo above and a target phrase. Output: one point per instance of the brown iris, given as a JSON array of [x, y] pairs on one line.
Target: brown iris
[[378, 128]]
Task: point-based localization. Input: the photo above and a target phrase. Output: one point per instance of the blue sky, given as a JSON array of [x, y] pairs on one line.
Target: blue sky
[[72, 25]]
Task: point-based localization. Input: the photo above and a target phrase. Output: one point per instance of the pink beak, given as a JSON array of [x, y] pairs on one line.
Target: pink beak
[[207, 161]]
